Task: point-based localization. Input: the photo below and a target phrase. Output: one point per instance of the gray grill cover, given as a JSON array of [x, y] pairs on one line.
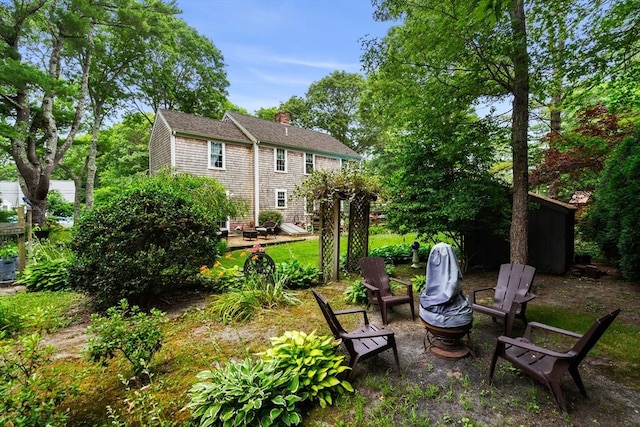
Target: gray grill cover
[[442, 303]]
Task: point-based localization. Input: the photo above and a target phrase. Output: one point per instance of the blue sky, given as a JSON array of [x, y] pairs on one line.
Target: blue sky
[[276, 49]]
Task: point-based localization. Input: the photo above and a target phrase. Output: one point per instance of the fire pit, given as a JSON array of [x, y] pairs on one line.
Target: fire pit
[[448, 342], [444, 309]]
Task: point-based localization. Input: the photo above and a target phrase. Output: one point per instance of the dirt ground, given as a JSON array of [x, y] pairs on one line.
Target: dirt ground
[[460, 393], [515, 399]]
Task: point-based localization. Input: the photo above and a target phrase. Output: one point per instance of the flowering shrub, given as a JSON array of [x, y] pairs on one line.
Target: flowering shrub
[[221, 279]]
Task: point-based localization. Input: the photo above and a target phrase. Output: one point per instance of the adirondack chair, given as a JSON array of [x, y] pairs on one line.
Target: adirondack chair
[[513, 288], [361, 343], [378, 287], [548, 366]]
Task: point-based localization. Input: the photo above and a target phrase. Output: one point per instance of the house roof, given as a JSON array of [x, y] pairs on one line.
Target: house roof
[[553, 201], [202, 126], [284, 135]]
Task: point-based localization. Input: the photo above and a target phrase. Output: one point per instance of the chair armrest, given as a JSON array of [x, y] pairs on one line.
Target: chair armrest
[[532, 325], [491, 311], [354, 311], [372, 334], [527, 345], [349, 311], [370, 287]]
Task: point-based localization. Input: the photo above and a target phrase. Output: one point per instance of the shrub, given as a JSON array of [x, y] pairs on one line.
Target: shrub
[[57, 205], [295, 275], [246, 393], [270, 215], [135, 334], [146, 242], [612, 220], [30, 392], [313, 362]]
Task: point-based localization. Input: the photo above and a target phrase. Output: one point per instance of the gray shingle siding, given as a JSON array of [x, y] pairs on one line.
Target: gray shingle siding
[[159, 146], [239, 133]]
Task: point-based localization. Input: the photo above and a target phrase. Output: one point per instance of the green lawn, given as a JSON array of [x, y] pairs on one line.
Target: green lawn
[[306, 252]]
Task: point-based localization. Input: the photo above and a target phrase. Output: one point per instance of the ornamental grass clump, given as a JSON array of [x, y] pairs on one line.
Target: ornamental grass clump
[[257, 292], [314, 363]]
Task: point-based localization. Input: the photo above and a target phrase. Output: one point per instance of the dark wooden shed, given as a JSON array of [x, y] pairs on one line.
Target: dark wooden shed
[[551, 239]]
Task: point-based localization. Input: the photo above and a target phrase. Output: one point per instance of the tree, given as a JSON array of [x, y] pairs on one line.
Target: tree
[[40, 98], [476, 50], [184, 72], [575, 159], [612, 220], [332, 105]]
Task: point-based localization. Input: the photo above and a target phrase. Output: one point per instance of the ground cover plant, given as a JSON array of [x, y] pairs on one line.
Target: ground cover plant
[[430, 391]]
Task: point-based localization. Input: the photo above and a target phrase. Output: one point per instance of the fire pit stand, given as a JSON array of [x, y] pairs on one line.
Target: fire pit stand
[[448, 342]]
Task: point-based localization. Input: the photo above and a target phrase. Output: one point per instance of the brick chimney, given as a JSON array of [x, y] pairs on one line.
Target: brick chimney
[[283, 117]]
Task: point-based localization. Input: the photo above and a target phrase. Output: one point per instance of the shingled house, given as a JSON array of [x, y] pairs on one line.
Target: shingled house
[[258, 160]]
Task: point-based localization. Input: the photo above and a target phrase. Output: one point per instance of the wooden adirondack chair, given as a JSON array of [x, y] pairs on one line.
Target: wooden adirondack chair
[[548, 366], [361, 343], [513, 288], [377, 282]]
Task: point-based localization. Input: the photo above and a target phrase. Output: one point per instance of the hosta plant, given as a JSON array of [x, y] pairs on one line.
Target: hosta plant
[[419, 282], [296, 275], [314, 363], [356, 293], [245, 393]]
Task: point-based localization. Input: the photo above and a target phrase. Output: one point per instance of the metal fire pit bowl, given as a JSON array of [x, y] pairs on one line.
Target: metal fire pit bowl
[[448, 342]]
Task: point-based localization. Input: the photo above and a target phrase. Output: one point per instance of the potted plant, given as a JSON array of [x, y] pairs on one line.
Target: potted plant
[[8, 261]]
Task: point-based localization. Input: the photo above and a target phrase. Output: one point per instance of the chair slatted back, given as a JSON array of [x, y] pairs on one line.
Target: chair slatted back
[[330, 317], [513, 280], [375, 274], [591, 337]]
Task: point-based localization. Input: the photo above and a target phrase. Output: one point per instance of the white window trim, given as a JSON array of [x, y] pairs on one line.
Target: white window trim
[[304, 163], [281, 190], [224, 155], [275, 160], [306, 205]]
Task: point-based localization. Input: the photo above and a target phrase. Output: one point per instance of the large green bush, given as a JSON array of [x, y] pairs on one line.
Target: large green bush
[[270, 215], [613, 218], [148, 240]]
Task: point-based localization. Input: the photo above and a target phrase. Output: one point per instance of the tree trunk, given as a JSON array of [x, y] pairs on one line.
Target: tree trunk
[[519, 134], [93, 153]]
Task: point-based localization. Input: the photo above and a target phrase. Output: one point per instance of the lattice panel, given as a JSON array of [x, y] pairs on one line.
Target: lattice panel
[[358, 242], [327, 240]]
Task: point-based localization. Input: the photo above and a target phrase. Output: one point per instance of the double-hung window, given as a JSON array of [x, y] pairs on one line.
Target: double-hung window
[[309, 163], [280, 159], [281, 199], [216, 155]]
